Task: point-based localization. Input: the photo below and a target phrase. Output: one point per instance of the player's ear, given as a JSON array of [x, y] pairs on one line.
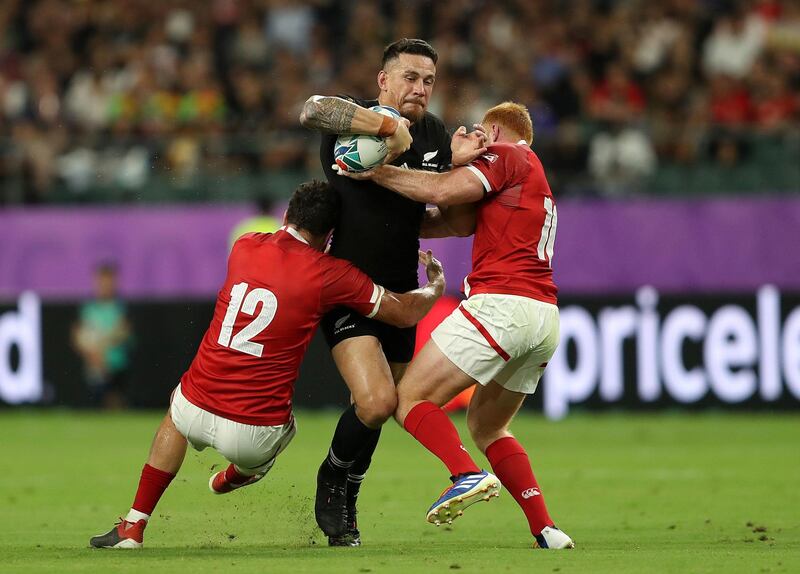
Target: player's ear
[[382, 80], [284, 217], [495, 132]]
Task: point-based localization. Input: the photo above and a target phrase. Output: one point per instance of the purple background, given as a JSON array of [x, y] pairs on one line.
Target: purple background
[[161, 251], [601, 247]]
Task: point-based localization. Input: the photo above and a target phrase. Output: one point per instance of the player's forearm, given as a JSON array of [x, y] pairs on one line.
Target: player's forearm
[[408, 309], [420, 301], [337, 116], [455, 187], [414, 184]]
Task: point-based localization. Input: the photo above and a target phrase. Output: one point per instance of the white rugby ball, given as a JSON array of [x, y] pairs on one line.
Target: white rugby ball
[[355, 153]]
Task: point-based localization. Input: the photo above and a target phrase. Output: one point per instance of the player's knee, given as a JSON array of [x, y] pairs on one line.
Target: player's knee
[[408, 395], [377, 408], [401, 411], [484, 435], [485, 440]]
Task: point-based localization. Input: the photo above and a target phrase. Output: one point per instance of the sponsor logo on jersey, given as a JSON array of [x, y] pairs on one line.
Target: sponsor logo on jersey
[[530, 493], [490, 157]]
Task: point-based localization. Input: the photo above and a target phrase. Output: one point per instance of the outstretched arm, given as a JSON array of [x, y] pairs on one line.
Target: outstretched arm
[[450, 188], [408, 309]]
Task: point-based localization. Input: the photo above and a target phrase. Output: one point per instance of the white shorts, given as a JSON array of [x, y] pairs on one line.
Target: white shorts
[[505, 338], [251, 448]]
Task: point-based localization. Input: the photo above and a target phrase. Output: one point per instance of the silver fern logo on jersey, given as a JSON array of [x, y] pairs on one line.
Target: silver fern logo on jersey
[[428, 157]]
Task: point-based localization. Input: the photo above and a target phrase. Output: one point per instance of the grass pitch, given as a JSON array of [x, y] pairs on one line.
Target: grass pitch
[[656, 493]]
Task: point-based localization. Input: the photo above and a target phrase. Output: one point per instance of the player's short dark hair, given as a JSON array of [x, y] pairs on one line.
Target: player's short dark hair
[[408, 46], [314, 206]]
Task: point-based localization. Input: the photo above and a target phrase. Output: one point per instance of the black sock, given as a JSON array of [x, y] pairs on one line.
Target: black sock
[[349, 439], [359, 469]]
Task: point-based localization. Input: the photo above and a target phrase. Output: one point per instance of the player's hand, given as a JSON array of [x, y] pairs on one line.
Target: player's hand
[[433, 269], [466, 146], [399, 142], [359, 175]]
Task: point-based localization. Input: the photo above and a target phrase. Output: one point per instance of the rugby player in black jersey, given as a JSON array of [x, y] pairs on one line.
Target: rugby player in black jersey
[[379, 232]]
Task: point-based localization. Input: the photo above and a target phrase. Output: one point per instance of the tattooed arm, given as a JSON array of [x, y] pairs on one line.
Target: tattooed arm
[[333, 115]]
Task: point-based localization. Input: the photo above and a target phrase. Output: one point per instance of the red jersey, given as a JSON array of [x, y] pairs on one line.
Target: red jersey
[[275, 293], [516, 226]]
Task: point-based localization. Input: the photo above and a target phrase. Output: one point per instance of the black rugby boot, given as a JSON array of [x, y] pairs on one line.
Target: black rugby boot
[[352, 537], [330, 505]]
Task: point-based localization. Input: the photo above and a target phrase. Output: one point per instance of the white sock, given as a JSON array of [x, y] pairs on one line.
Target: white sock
[[135, 516]]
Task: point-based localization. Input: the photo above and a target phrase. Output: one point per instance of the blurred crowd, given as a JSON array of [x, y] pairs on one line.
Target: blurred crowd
[[180, 96]]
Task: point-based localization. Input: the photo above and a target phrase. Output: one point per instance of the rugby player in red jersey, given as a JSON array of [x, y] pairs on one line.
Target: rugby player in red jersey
[[504, 333], [236, 396]]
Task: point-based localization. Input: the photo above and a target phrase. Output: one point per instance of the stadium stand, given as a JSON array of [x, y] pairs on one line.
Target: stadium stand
[[184, 101]]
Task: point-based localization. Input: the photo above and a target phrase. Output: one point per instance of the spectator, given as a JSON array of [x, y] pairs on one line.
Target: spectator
[[620, 154], [774, 104], [729, 102], [620, 160], [102, 338], [734, 44]]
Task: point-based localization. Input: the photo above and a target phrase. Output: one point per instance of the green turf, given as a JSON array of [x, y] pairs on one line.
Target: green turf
[[666, 493]]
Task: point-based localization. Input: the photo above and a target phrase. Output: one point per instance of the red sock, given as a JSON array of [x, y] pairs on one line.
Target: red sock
[[233, 476], [152, 485], [511, 465], [433, 428]]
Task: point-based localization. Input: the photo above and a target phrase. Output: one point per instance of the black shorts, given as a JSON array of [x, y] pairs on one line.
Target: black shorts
[[343, 323]]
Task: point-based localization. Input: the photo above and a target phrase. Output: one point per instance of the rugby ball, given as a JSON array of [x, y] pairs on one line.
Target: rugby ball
[[355, 153]]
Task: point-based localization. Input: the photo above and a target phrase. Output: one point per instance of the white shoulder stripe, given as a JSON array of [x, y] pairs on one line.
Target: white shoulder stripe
[[377, 296], [294, 233], [481, 177]]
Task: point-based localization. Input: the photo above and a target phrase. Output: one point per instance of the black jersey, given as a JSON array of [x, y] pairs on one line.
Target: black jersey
[[378, 230]]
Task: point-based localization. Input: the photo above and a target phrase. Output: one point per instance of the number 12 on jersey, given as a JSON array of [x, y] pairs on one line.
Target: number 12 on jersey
[[242, 341]]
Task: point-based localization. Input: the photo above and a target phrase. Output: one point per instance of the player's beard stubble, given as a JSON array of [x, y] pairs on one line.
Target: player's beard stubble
[[412, 110]]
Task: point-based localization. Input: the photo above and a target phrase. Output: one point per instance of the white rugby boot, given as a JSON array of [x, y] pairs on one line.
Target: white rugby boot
[[552, 538]]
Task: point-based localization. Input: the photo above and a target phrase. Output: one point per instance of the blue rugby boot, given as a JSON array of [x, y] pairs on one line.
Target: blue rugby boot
[[466, 491]]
